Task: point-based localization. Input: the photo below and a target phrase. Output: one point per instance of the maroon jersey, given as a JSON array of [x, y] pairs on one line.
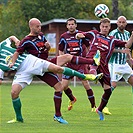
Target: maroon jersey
[[34, 45], [106, 46], [69, 44]]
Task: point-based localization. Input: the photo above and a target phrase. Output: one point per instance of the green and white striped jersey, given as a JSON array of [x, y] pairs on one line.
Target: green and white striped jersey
[[6, 52], [119, 58]]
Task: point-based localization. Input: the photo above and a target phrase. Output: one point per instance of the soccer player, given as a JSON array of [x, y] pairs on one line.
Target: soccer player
[[106, 44], [118, 65], [69, 44], [16, 41], [27, 66], [36, 44]]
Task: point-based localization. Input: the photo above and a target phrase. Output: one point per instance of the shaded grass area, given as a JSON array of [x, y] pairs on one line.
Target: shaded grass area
[[38, 111]]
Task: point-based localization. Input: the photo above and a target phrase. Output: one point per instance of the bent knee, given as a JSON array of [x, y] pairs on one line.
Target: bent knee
[[69, 57], [16, 89], [14, 94]]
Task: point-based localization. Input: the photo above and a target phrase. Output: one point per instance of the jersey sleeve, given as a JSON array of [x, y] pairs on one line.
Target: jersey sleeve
[[86, 42], [21, 48], [61, 44], [6, 42], [119, 43], [90, 34]]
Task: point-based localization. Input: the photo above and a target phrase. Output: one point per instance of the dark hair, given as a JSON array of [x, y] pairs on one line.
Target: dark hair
[[70, 19], [105, 20]]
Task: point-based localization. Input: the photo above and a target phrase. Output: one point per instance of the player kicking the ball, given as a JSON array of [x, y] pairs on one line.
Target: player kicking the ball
[[27, 66]]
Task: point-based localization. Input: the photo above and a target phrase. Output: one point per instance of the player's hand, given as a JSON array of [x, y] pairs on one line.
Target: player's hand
[[10, 65], [79, 36], [47, 45]]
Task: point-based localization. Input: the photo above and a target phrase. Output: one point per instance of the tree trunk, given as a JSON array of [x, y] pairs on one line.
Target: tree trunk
[[115, 9]]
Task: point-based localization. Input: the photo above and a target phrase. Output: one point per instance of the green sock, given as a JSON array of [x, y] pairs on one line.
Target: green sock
[[112, 88], [17, 107], [71, 72]]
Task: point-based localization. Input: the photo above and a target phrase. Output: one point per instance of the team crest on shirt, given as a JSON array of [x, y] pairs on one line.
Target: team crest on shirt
[[8, 59]]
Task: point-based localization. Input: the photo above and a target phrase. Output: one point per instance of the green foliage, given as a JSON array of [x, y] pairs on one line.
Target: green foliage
[[3, 1], [126, 8], [13, 21], [15, 14], [38, 111]]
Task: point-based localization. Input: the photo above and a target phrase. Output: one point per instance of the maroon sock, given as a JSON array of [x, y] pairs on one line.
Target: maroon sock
[[105, 98], [81, 60], [93, 69], [57, 102], [91, 97], [68, 92]]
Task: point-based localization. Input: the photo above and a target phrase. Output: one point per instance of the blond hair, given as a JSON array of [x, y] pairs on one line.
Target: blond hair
[[105, 20]]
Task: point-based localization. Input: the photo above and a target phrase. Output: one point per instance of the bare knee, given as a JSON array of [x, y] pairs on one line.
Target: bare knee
[[58, 69], [130, 80], [16, 89], [58, 87], [63, 59], [14, 94], [86, 84], [69, 57], [55, 68]]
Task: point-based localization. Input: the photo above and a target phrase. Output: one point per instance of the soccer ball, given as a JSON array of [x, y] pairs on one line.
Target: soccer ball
[[101, 11]]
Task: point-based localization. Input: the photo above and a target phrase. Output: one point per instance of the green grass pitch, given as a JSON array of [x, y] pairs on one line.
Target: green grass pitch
[[38, 111]]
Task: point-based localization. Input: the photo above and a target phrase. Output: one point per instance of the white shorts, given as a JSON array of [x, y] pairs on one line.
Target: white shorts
[[1, 74], [29, 67], [118, 71]]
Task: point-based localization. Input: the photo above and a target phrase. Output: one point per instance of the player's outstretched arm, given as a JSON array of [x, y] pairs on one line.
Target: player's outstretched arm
[[126, 50], [14, 58], [130, 41], [15, 39], [79, 36]]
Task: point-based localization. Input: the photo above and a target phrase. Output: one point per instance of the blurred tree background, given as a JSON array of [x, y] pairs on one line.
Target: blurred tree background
[[15, 14]]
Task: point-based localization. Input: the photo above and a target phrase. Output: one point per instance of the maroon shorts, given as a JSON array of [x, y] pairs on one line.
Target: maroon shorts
[[106, 75], [48, 77], [103, 68]]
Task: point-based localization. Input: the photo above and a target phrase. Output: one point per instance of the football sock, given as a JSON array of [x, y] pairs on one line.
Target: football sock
[[68, 92], [105, 98], [17, 107], [81, 60], [91, 97], [71, 72], [93, 69], [57, 102], [112, 88]]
